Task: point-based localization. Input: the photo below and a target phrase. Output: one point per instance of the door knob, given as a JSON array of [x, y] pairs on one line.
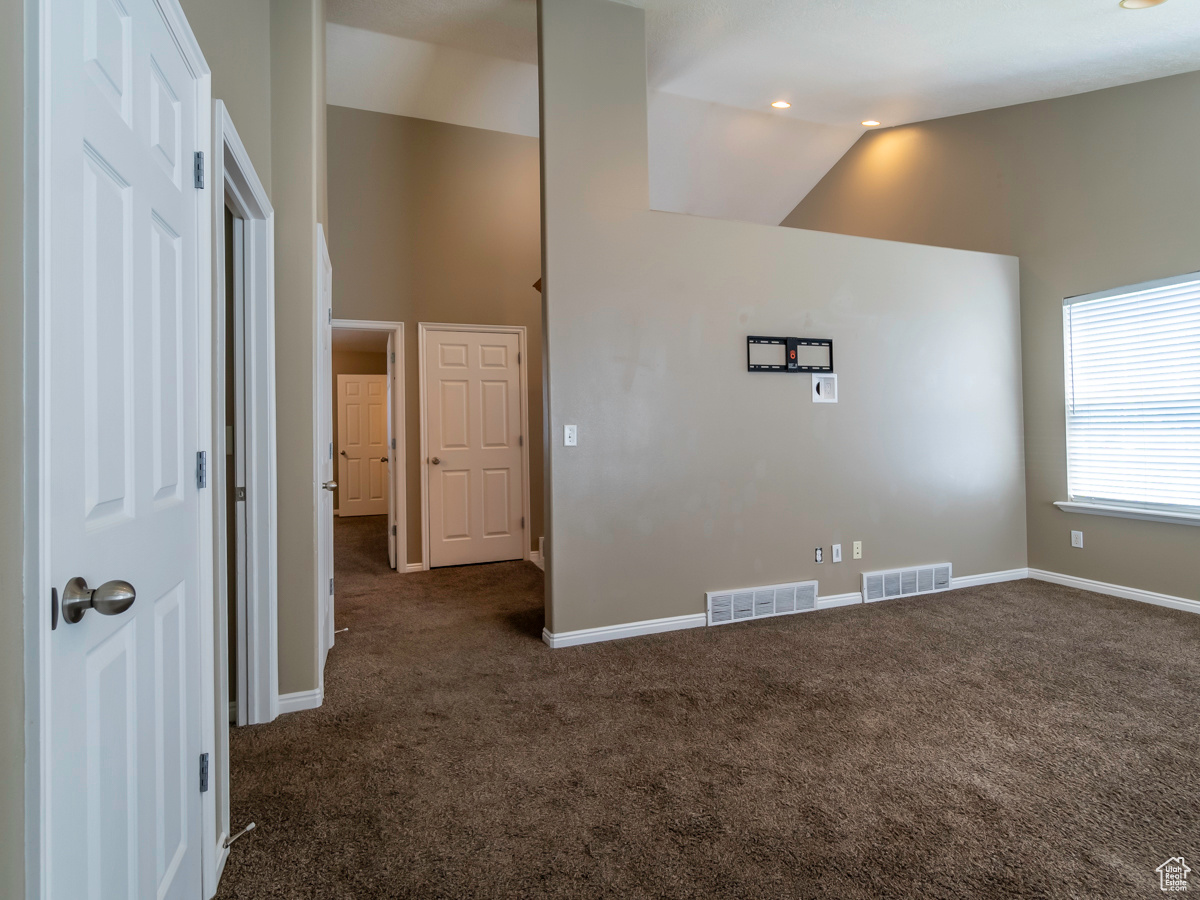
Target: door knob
[[435, 460], [343, 452], [330, 485], [384, 459], [110, 599]]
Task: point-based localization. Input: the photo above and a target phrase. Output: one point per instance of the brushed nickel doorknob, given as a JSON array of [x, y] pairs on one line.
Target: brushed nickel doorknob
[[330, 485], [110, 599], [435, 460]]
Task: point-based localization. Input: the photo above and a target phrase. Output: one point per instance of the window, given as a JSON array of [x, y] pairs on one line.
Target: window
[[1133, 397]]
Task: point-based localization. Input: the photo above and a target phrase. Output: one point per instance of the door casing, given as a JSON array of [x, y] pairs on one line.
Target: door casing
[[423, 328]]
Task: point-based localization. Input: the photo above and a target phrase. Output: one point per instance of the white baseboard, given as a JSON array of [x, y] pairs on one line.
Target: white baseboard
[[299, 700], [988, 578], [616, 632], [1116, 590], [535, 557], [414, 567], [833, 600]]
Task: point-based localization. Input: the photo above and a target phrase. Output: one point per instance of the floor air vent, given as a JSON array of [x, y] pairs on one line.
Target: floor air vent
[[905, 582], [761, 602]]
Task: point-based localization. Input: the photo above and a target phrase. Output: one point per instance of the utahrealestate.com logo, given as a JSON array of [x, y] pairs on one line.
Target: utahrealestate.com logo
[[1173, 875]]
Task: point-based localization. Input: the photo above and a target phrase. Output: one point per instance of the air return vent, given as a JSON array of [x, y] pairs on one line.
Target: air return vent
[[761, 602], [905, 582]]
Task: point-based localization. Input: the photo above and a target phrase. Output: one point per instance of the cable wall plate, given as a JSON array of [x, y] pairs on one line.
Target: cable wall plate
[[788, 354]]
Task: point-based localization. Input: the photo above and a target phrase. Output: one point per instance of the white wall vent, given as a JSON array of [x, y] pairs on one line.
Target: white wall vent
[[761, 602], [905, 582]]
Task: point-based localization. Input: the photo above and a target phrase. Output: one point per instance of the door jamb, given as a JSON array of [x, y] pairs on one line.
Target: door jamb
[[36, 576], [423, 329], [399, 483], [236, 184]]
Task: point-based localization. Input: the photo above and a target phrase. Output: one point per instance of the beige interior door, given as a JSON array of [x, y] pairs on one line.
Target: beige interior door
[[473, 447], [363, 445]]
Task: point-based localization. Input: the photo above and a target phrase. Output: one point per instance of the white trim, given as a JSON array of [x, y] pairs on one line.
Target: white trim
[[399, 456], [835, 600], [1144, 513], [423, 328], [237, 185], [414, 567], [535, 557], [965, 581], [1115, 590], [301, 700], [617, 632]]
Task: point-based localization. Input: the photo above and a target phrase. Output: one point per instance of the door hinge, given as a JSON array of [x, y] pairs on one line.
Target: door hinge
[[329, 315], [393, 443], [331, 449], [522, 521], [520, 440], [393, 531], [198, 169], [204, 773], [240, 493], [518, 357], [393, 358], [201, 469], [331, 586]]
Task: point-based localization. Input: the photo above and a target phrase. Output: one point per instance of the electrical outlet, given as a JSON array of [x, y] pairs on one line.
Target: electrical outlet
[[820, 555], [1077, 539], [858, 549], [837, 552], [570, 436]]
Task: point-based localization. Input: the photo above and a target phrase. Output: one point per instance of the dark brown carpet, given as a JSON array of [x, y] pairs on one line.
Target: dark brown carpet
[[1017, 740]]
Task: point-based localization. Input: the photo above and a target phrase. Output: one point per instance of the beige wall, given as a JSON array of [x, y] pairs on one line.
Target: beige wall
[[350, 362], [1094, 191], [692, 474], [12, 652], [298, 191], [235, 36], [436, 223]]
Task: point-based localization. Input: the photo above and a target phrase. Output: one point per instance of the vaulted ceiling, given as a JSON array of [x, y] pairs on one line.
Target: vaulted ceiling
[[841, 61]]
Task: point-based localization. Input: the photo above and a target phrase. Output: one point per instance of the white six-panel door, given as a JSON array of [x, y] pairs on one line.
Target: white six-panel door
[[474, 458], [363, 484], [124, 409]]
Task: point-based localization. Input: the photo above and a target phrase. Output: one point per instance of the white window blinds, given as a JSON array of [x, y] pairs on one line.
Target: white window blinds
[[1133, 395]]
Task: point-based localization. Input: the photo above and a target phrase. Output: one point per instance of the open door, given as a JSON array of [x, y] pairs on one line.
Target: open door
[[326, 485], [125, 409], [391, 430]]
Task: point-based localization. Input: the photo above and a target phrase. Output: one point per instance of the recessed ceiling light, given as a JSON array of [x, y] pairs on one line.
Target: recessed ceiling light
[[781, 104], [1140, 4], [870, 123]]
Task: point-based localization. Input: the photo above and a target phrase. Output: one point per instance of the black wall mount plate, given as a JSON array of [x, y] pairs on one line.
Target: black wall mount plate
[[788, 354]]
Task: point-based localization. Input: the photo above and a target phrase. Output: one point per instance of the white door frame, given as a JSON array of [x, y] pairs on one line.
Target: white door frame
[[397, 456], [38, 279], [236, 184], [423, 329]]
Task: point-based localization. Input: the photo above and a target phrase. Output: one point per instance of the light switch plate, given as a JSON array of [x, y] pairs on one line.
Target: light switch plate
[[837, 552], [570, 436]]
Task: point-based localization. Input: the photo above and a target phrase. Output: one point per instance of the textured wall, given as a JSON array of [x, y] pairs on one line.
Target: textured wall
[[431, 222], [1094, 191], [692, 474]]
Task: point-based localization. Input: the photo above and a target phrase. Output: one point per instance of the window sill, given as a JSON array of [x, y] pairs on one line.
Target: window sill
[[1129, 512]]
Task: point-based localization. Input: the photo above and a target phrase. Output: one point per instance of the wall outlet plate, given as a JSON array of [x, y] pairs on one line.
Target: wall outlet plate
[[858, 549], [1077, 539], [820, 554]]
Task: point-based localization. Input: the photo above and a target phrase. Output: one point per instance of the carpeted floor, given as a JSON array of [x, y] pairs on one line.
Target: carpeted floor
[[1015, 740]]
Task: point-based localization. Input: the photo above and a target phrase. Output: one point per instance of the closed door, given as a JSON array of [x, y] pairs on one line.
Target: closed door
[[473, 444], [363, 445], [125, 416]]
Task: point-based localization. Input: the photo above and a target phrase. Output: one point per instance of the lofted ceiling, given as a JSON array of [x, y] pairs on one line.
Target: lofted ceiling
[[717, 148], [841, 61]]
